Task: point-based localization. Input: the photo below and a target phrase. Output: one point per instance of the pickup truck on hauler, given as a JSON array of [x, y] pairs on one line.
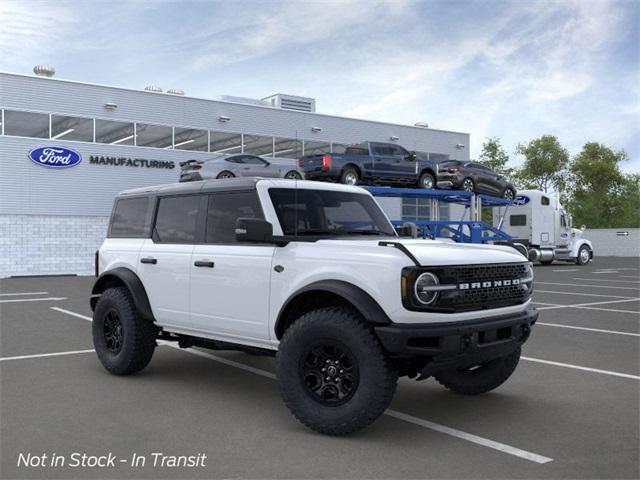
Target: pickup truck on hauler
[[372, 162], [315, 275]]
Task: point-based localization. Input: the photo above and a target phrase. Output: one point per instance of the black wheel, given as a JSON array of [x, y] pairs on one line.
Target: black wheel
[[333, 374], [123, 341], [480, 378], [225, 174], [349, 176], [509, 194], [468, 185], [584, 255], [427, 181], [293, 175]]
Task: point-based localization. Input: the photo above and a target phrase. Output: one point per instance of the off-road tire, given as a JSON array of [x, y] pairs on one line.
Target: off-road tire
[[377, 375], [424, 178], [481, 380], [138, 335], [579, 258], [348, 173], [225, 174]]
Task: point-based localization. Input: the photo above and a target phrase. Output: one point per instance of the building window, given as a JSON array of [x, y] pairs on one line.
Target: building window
[[225, 142], [190, 139], [258, 145], [338, 147], [287, 148], [26, 124], [114, 133], [71, 128], [314, 148], [157, 136], [414, 209]]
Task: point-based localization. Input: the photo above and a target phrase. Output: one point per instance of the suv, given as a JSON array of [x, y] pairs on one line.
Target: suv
[[315, 275]]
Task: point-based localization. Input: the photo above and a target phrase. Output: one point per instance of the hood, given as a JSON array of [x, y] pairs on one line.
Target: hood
[[442, 253]]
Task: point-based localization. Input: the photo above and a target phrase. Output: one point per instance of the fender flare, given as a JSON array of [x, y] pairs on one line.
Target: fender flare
[[132, 282], [580, 243], [361, 300]]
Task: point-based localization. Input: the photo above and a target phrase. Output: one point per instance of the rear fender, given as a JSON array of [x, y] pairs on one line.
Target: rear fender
[[123, 277]]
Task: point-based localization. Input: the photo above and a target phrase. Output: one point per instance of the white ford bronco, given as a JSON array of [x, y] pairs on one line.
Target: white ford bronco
[[315, 275]]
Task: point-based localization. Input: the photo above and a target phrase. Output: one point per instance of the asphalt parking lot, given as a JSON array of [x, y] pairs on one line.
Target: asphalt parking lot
[[571, 409]]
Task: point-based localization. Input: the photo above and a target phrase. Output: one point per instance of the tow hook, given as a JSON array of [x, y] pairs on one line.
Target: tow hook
[[526, 331], [465, 341]]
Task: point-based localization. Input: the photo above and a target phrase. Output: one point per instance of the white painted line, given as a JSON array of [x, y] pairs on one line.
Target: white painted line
[[567, 270], [610, 310], [585, 305], [73, 314], [582, 294], [598, 330], [578, 367], [606, 280], [469, 437], [628, 276], [42, 355], [47, 299], [392, 413], [587, 286], [23, 293], [604, 272]]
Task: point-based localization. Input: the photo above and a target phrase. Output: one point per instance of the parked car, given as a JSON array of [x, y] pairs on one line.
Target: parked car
[[371, 162], [293, 270], [474, 177], [241, 165]]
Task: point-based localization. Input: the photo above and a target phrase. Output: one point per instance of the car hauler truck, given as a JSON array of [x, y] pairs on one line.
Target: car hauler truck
[[538, 221]]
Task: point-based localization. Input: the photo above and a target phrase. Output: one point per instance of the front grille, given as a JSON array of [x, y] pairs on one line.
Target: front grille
[[475, 295]]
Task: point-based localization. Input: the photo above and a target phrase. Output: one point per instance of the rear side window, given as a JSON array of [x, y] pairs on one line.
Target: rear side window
[[176, 219], [356, 151], [130, 218], [223, 211], [518, 220]]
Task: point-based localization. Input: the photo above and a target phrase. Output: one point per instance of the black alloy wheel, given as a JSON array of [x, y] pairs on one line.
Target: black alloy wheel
[[293, 175], [467, 185], [113, 332], [509, 194], [330, 373], [225, 174]]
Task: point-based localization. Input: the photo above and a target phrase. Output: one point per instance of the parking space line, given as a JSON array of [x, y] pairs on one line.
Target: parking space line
[[47, 299], [23, 293], [606, 280], [610, 310], [579, 367], [73, 314], [583, 294], [533, 457], [41, 355], [588, 286], [628, 276], [584, 305], [598, 330], [567, 270]]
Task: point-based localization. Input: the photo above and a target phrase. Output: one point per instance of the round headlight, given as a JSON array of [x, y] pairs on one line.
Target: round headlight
[[424, 294]]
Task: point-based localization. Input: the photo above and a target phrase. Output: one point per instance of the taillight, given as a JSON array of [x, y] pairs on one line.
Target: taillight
[[96, 262], [196, 167], [298, 163], [326, 161], [454, 170]]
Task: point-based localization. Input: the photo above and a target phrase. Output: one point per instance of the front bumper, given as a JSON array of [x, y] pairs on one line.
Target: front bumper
[[453, 345]]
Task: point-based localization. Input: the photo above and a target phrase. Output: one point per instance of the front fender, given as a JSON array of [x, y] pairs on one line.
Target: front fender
[[123, 277], [579, 243]]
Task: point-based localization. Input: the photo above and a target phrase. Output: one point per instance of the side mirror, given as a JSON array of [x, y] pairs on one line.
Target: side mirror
[[412, 156], [254, 230]]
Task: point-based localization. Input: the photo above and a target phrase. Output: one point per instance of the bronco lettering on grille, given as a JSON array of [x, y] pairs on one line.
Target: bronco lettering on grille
[[488, 284]]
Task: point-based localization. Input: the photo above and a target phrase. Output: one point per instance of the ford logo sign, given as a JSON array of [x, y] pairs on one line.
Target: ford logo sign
[[521, 200], [55, 157]]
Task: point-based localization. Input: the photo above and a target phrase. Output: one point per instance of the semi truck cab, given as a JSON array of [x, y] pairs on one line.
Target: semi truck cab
[[538, 221]]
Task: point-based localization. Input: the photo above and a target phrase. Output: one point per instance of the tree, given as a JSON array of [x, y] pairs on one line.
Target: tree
[[545, 164], [495, 157], [601, 195]]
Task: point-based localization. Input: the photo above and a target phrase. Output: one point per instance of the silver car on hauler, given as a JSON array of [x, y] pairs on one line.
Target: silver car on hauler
[[239, 165]]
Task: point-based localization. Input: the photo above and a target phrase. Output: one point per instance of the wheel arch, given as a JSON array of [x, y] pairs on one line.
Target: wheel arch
[[354, 166], [430, 171], [123, 277], [329, 293]]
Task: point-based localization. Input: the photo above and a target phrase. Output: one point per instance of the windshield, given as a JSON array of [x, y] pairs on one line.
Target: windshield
[[326, 212]]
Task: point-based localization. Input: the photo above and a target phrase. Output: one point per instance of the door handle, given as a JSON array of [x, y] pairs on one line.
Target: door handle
[[150, 260], [204, 263]]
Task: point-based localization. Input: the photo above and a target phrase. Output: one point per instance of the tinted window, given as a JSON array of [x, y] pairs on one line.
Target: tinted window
[[398, 151], [383, 150], [113, 132], [251, 160], [544, 200], [356, 151], [176, 219], [235, 159], [129, 218], [26, 124], [224, 209], [71, 128], [518, 220], [322, 212]]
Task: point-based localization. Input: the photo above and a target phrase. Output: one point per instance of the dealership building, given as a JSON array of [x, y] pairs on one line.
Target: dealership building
[[53, 219]]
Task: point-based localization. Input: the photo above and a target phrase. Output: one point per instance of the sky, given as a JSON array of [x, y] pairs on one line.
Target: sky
[[509, 69]]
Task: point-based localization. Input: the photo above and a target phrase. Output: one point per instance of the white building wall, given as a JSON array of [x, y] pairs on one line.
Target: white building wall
[[612, 241]]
